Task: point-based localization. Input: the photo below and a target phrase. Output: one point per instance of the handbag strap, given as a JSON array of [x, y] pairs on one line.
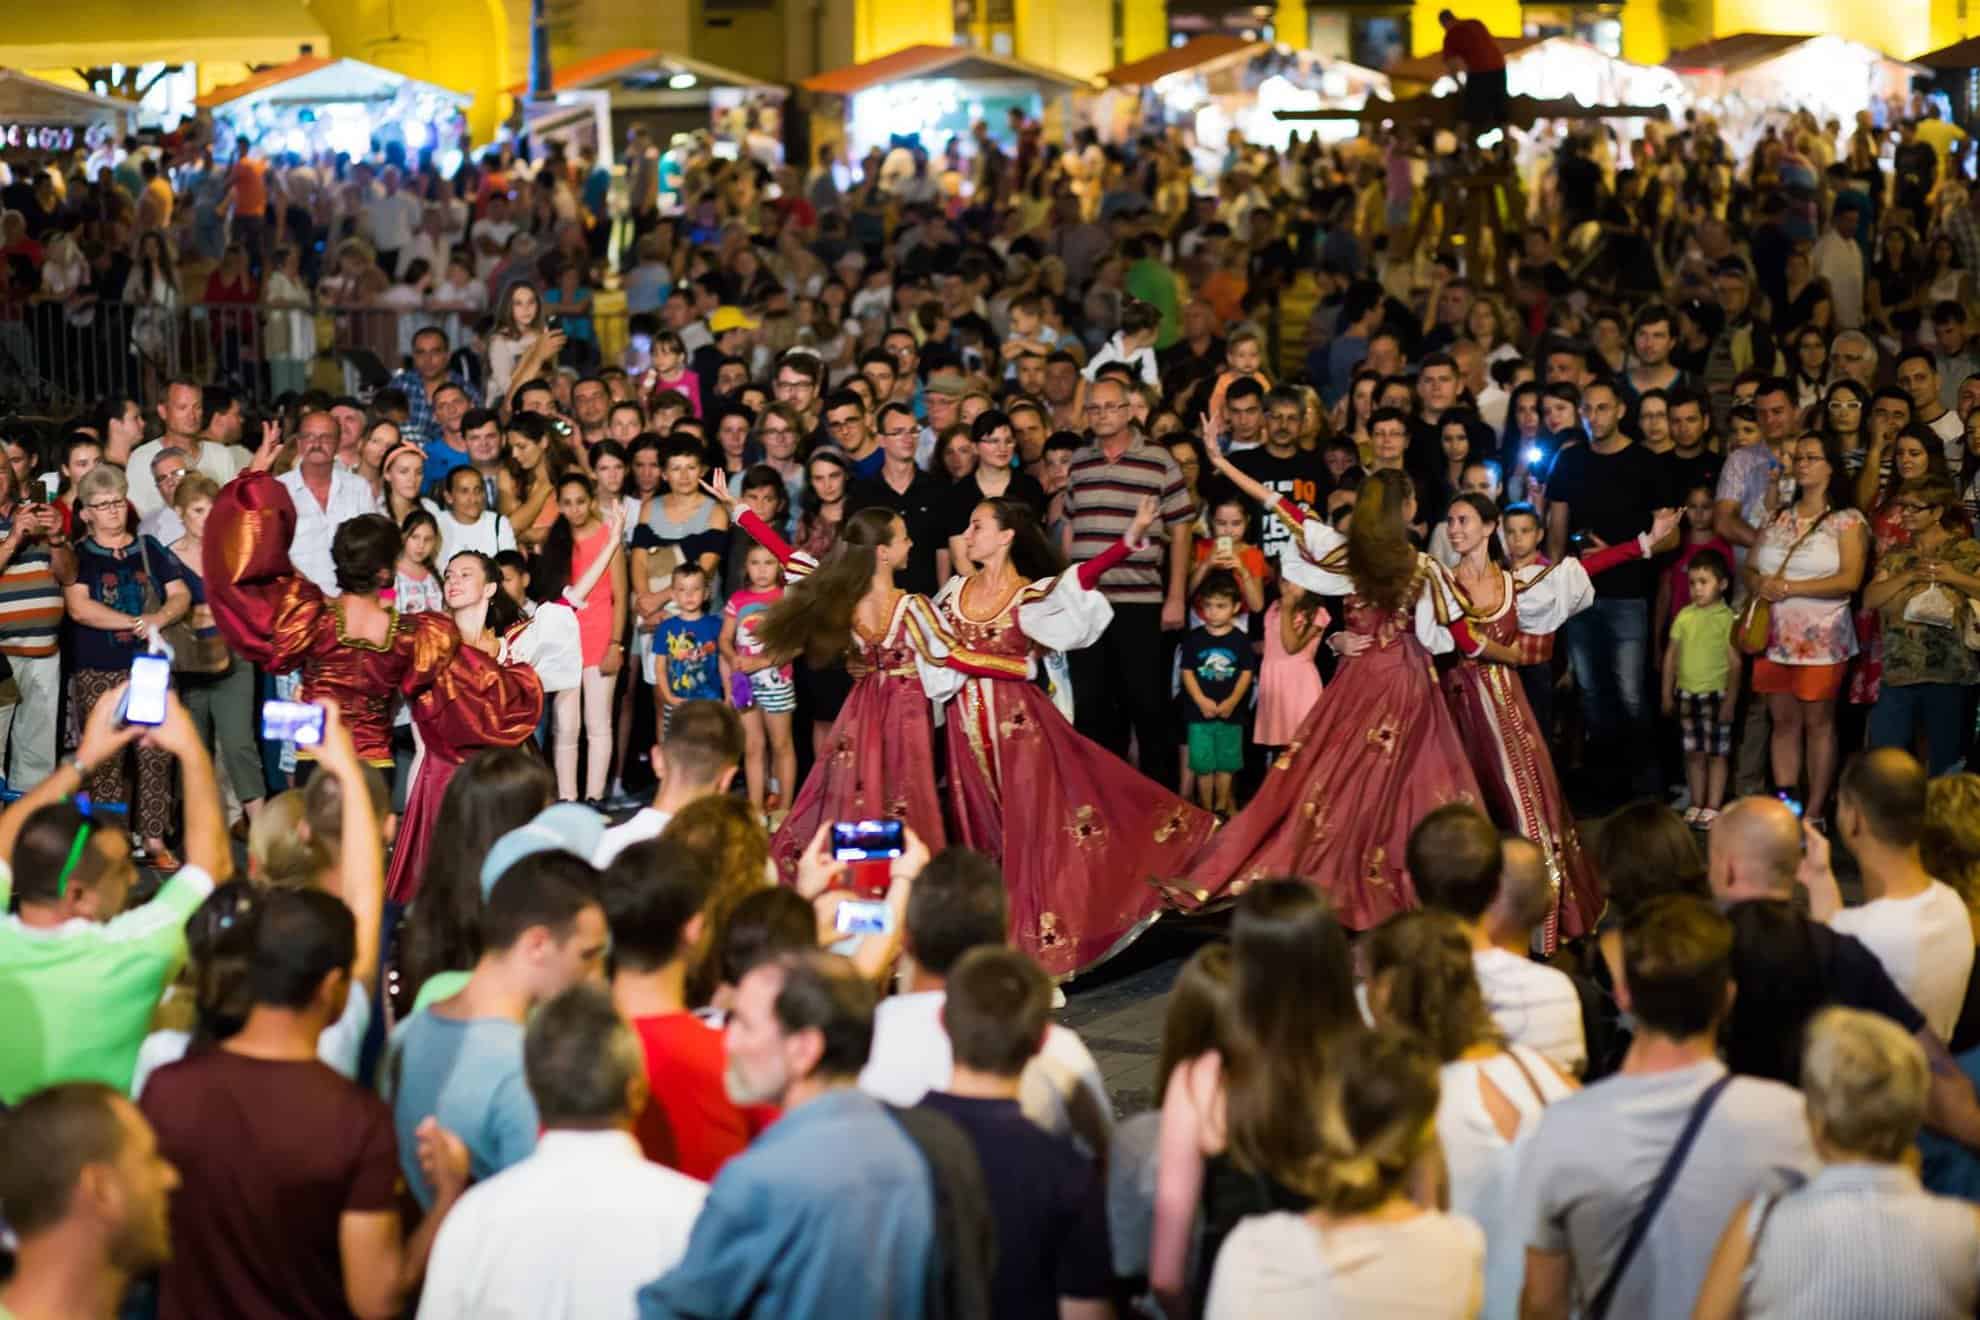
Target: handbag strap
[[1512, 1052], [1813, 527], [1659, 1191]]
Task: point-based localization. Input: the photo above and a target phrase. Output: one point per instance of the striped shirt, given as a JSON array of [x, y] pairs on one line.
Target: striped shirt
[[1100, 501], [1861, 1240], [30, 599]]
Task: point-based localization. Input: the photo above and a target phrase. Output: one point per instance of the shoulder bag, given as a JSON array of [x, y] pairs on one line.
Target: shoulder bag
[[191, 653], [1756, 622], [1598, 1308]]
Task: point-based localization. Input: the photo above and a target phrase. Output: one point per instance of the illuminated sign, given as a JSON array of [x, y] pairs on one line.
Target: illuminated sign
[[37, 137]]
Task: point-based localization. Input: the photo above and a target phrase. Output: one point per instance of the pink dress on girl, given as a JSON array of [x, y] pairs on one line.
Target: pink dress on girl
[[595, 619], [1288, 682]]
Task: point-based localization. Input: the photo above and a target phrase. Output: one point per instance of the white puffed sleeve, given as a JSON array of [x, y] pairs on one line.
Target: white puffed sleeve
[[1436, 605], [1061, 615], [549, 644], [1549, 598], [1319, 559], [932, 646]]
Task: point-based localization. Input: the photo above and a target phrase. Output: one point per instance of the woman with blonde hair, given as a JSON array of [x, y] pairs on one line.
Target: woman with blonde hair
[[1370, 1245]]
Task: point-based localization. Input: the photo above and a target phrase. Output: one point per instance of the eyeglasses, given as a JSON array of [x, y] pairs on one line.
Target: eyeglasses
[[1912, 506], [104, 506], [840, 424], [1106, 407]]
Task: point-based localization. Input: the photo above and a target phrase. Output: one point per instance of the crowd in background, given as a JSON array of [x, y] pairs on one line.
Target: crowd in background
[[618, 1070]]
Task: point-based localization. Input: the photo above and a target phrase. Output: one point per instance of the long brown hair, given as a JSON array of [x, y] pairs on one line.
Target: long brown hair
[[721, 831], [1283, 935], [1380, 558], [1376, 1118], [1032, 553], [1422, 962], [815, 616]]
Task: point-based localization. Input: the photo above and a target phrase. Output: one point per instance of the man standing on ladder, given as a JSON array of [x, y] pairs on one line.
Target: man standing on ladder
[[1471, 50]]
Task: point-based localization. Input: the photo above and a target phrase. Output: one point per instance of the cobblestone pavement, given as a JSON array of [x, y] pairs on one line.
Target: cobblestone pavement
[[1118, 1008]]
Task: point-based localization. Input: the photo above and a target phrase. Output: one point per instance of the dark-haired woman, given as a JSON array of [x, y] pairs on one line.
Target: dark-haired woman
[[1379, 751], [579, 539], [1079, 834], [353, 648], [877, 758], [1509, 621]]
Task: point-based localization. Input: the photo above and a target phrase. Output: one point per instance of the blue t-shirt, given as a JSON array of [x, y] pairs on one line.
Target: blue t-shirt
[[469, 1075], [688, 649], [1217, 662], [441, 459]]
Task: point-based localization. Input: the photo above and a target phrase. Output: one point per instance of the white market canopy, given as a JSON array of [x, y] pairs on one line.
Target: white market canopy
[[25, 99], [313, 80]]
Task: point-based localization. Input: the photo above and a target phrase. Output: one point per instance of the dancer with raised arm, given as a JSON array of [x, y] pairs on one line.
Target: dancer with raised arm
[[1378, 751], [354, 649], [1509, 620], [879, 760], [1085, 842]]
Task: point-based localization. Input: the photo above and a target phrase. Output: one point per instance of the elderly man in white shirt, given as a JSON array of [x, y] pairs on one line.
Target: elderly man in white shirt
[[574, 1230], [325, 496]]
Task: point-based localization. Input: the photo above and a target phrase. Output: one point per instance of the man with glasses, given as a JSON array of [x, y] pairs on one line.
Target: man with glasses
[[1121, 683], [912, 493], [796, 383], [168, 469]]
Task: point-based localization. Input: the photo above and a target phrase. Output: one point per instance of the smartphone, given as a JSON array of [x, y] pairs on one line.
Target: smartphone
[[553, 324], [51, 482], [860, 916], [868, 840], [299, 722], [1792, 803], [1224, 544], [144, 700]]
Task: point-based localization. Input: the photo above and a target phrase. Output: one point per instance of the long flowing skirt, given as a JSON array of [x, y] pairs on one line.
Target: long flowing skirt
[[413, 844], [1083, 840], [1504, 743], [1377, 753], [881, 764]]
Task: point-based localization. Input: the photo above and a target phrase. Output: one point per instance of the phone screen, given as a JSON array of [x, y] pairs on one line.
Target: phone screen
[[867, 840], [859, 916], [299, 722], [151, 679]]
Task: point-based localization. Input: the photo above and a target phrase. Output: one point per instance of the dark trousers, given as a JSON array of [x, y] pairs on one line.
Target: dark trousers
[[1121, 690]]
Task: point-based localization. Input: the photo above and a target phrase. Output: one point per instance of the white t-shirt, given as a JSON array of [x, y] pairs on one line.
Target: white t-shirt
[[498, 232], [1534, 1005], [392, 219], [645, 824], [1061, 1090], [1926, 945], [1281, 1266], [490, 536]]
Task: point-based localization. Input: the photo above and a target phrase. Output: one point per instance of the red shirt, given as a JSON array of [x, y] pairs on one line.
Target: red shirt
[[1468, 40], [691, 1124]]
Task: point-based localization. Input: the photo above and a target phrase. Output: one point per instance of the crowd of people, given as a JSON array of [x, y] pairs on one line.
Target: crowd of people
[[1141, 554]]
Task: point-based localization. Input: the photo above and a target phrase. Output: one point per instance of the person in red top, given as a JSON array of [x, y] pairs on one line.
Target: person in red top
[[1471, 50], [654, 896]]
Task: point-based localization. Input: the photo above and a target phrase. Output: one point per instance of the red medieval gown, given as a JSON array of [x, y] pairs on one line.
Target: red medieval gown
[[882, 747], [460, 699], [1507, 747], [1084, 841], [1376, 754]]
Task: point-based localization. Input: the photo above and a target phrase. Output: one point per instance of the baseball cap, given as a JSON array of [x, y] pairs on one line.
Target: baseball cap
[[724, 319], [949, 384], [561, 827]]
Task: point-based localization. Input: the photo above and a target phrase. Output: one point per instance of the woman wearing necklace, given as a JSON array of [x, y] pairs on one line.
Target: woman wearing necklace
[[1505, 622], [1082, 839]]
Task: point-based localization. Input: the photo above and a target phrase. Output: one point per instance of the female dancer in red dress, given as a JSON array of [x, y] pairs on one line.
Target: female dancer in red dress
[[1378, 751], [354, 649], [1508, 621], [1084, 841], [879, 759]]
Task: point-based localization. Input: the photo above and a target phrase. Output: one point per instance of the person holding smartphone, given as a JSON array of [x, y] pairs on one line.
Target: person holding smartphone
[[127, 589]]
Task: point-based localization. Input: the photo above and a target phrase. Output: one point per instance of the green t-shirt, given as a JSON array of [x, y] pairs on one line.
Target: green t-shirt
[[76, 999], [440, 985], [1702, 634]]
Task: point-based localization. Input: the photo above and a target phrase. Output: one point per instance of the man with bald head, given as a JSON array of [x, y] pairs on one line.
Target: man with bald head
[[1788, 965], [1916, 925]]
